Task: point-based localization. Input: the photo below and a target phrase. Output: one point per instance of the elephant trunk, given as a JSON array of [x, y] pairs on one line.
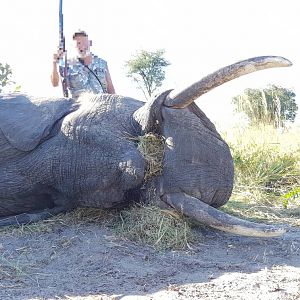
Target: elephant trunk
[[207, 215]]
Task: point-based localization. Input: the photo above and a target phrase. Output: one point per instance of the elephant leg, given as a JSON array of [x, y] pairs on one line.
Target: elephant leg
[[27, 218], [20, 194], [23, 202], [23, 209]]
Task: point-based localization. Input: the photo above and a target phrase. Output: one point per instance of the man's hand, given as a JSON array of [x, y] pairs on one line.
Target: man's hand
[[55, 75], [57, 56]]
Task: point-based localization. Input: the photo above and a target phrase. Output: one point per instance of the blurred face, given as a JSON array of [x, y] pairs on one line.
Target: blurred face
[[82, 44]]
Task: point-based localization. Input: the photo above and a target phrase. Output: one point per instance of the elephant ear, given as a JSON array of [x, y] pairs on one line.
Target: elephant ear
[[149, 115], [25, 120]]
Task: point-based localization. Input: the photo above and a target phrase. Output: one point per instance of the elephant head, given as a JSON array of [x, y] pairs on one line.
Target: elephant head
[[198, 168], [56, 154]]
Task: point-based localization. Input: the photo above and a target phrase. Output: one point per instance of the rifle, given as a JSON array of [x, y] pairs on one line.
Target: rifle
[[62, 46]]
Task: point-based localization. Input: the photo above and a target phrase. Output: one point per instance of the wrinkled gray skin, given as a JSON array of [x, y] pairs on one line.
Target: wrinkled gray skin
[[58, 154]]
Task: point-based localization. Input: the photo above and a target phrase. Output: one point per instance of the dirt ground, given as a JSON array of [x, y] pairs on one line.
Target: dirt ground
[[87, 261]]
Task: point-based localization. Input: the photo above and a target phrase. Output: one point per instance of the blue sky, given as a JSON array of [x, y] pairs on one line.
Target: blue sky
[[199, 37]]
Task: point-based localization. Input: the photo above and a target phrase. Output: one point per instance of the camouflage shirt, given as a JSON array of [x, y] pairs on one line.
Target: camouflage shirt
[[80, 79]]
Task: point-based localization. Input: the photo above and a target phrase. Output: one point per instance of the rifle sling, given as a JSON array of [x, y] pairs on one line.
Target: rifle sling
[[81, 61]]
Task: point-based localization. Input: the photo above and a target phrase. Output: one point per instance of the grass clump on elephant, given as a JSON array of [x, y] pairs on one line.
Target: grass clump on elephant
[[58, 154]]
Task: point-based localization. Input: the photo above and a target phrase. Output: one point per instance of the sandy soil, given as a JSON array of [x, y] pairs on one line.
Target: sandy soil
[[86, 261]]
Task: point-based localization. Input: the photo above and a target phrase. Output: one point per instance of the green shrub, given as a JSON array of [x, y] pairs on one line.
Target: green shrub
[[266, 165]]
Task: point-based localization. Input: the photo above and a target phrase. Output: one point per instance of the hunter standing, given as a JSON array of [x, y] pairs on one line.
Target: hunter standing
[[84, 73]]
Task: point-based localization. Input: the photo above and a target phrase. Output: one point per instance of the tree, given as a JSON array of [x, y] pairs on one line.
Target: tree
[[5, 73], [272, 105], [146, 69]]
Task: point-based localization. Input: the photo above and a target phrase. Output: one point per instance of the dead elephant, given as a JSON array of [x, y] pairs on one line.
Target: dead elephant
[[57, 154]]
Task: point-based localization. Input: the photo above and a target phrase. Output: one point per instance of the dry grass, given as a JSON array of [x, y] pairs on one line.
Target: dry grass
[[263, 213], [81, 216], [152, 148], [145, 224], [160, 229], [267, 165], [77, 217]]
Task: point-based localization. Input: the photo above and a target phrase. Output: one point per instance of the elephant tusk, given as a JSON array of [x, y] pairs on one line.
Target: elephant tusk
[[207, 215], [184, 98]]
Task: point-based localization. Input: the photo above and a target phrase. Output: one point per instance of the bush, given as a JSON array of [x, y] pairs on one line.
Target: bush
[[267, 165]]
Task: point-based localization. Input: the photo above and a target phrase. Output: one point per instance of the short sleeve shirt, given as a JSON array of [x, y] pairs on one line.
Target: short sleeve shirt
[[81, 78]]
